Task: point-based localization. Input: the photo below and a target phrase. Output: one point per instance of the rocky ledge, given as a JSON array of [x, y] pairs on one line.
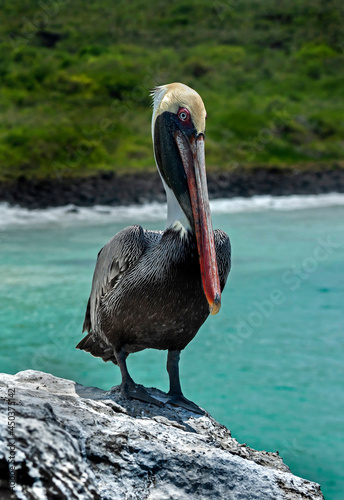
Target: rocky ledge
[[73, 442], [112, 189]]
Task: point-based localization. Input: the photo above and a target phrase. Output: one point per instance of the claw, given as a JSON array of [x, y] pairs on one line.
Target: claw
[[181, 401]]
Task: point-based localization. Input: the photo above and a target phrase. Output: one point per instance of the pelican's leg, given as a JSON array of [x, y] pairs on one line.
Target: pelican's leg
[[175, 394], [128, 387]]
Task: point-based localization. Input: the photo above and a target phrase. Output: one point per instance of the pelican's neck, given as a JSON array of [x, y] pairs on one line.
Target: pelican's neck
[[175, 215]]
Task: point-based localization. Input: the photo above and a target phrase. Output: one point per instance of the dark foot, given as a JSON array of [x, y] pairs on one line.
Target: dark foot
[[136, 391], [179, 400]]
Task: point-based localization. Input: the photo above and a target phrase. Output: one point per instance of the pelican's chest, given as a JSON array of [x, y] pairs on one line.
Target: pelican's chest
[[175, 255], [169, 266], [164, 295]]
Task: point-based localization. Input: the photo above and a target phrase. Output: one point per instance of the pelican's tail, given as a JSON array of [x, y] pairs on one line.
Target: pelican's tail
[[97, 347]]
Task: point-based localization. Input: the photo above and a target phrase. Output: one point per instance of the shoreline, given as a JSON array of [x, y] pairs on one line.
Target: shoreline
[[138, 188]]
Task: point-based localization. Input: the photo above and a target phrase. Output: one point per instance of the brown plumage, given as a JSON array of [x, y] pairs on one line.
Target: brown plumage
[[154, 289]]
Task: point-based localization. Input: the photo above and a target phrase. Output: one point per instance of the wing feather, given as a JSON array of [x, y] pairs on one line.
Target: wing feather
[[223, 254], [114, 259]]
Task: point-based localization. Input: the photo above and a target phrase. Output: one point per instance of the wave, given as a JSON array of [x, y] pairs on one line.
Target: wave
[[103, 214], [284, 203], [69, 214]]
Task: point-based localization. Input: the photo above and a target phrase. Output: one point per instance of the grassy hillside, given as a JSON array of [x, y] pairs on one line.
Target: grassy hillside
[[75, 81]]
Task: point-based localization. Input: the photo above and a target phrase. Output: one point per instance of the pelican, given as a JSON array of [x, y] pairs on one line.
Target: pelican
[[154, 289]]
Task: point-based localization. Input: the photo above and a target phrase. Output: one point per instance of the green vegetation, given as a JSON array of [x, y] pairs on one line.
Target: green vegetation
[[75, 81]]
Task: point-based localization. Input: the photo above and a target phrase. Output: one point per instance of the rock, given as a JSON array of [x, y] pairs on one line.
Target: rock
[[114, 189], [75, 442]]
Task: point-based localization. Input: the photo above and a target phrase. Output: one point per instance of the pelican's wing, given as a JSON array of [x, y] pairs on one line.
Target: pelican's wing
[[223, 255], [114, 259]]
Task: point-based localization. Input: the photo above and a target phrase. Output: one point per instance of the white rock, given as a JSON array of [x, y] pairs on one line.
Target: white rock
[[75, 442]]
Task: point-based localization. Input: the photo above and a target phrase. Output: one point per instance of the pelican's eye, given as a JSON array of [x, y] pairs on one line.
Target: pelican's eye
[[184, 114]]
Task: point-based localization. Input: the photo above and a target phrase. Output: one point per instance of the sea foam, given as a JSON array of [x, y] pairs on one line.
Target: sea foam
[[103, 214]]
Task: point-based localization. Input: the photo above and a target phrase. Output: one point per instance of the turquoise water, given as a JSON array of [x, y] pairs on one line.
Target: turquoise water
[[269, 366]]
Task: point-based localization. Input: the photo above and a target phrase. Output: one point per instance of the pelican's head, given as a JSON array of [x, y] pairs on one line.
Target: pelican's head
[[176, 98], [178, 128]]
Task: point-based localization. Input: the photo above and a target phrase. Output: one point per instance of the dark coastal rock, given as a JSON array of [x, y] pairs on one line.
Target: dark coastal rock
[[75, 442], [113, 189]]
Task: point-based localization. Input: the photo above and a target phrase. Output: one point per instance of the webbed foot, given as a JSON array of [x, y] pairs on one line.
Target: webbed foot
[[181, 401], [136, 391]]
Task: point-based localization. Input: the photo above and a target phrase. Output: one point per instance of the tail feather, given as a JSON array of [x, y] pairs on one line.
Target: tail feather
[[86, 327], [97, 347]]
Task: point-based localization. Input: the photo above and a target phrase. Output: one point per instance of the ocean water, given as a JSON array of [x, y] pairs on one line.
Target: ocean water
[[269, 366]]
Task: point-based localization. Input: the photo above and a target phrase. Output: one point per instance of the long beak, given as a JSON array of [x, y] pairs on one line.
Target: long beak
[[192, 154]]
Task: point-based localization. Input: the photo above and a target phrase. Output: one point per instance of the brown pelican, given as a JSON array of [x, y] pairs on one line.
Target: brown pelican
[[154, 289]]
